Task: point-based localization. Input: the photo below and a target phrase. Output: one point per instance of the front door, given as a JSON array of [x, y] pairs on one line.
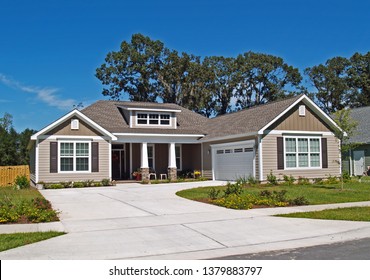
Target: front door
[[118, 164], [358, 162]]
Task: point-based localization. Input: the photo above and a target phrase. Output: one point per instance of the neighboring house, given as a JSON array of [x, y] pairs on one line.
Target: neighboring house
[[356, 160], [112, 139]]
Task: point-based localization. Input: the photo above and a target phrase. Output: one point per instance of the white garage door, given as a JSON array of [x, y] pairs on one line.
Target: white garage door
[[233, 162]]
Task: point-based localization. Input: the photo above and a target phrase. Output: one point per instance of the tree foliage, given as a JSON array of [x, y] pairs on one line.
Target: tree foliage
[[146, 70], [13, 145]]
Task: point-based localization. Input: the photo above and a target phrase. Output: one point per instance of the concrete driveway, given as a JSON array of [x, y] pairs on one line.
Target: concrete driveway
[[134, 221]]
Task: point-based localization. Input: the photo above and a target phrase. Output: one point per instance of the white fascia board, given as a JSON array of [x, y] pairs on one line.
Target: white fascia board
[[228, 137], [159, 135], [77, 113], [312, 105], [151, 109], [157, 138], [298, 132]]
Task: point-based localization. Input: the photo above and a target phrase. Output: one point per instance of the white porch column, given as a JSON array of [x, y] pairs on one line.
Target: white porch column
[[144, 155], [172, 156]]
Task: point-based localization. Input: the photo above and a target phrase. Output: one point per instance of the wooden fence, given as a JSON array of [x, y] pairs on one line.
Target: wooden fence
[[9, 173]]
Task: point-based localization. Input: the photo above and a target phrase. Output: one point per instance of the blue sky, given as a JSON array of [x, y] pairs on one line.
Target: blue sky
[[49, 50]]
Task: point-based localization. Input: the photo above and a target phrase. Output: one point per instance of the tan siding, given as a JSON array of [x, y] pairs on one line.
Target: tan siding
[[269, 150], [65, 129], [292, 121], [44, 165], [207, 154]]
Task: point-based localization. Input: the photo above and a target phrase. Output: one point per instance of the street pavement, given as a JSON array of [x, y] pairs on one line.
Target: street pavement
[[134, 221]]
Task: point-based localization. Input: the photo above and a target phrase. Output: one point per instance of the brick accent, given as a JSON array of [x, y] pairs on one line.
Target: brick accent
[[172, 173]]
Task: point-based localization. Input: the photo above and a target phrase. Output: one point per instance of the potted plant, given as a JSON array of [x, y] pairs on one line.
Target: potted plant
[[196, 174], [137, 175]]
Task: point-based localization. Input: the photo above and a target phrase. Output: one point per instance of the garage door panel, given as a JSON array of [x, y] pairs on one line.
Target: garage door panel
[[233, 165]]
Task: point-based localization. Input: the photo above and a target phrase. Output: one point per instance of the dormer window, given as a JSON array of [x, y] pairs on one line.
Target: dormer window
[[153, 119]]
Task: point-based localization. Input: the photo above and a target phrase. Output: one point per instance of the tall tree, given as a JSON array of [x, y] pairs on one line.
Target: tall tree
[[359, 80], [222, 83], [132, 69], [262, 78], [332, 84]]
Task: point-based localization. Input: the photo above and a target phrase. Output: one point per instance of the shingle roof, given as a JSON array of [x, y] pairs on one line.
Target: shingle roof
[[362, 116], [248, 120], [108, 114]]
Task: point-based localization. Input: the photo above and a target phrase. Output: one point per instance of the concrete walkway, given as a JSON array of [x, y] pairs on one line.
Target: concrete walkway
[[134, 221]]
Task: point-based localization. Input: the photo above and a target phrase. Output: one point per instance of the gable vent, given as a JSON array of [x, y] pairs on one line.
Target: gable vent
[[302, 110], [75, 124]]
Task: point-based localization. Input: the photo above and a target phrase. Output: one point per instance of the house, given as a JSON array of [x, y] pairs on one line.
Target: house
[[355, 162], [112, 139]]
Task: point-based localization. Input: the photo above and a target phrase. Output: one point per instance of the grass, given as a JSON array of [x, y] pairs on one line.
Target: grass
[[24, 206], [348, 214], [353, 191], [13, 240]]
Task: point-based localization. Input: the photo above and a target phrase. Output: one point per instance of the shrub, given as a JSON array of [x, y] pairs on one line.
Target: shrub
[[53, 186], [303, 181], [66, 184], [97, 184], [271, 178], [213, 193], [345, 176], [301, 200], [78, 184], [279, 196], [233, 189], [234, 201], [106, 182], [242, 181], [88, 183], [22, 182], [252, 181], [289, 180], [331, 180], [318, 181]]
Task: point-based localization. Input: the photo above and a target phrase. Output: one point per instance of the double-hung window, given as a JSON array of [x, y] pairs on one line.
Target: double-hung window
[[302, 152], [74, 156], [178, 152]]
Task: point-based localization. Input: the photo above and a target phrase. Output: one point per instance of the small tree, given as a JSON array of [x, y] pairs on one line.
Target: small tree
[[348, 129]]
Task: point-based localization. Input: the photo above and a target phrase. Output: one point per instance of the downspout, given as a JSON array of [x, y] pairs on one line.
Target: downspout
[[260, 160]]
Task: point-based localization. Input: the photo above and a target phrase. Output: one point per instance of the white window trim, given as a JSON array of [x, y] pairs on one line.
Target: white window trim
[[179, 168], [74, 156], [308, 152], [153, 146], [159, 119]]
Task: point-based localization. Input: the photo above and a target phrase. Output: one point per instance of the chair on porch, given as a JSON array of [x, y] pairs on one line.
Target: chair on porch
[[152, 173]]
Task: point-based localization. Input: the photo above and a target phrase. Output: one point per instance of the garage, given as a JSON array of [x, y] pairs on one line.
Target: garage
[[233, 160]]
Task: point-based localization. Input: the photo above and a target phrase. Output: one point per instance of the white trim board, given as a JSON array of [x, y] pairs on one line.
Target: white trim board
[[71, 114]]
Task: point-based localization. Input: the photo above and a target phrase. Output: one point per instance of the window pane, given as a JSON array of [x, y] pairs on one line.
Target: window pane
[[303, 160], [165, 122], [141, 121], [150, 163], [153, 116], [153, 121], [291, 160], [150, 151], [178, 165], [177, 151], [314, 145], [290, 145], [315, 160], [302, 145], [82, 149], [66, 149], [165, 117], [82, 164], [66, 164], [142, 116]]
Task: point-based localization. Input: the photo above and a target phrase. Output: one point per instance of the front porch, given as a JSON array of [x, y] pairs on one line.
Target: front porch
[[153, 160]]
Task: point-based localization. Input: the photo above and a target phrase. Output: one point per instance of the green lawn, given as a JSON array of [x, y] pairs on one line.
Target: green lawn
[[13, 240], [348, 214], [316, 194]]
